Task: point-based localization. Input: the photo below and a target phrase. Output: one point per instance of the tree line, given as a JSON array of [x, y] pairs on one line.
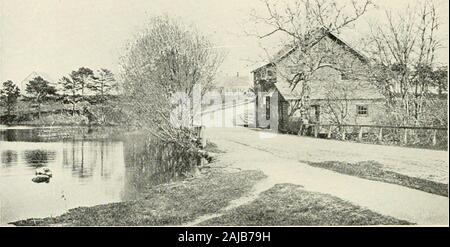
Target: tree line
[[70, 89]]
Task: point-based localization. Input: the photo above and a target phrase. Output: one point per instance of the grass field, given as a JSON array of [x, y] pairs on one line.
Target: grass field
[[373, 170], [288, 204]]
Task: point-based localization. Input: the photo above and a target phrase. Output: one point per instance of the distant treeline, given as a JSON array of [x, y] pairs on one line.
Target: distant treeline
[[81, 89]]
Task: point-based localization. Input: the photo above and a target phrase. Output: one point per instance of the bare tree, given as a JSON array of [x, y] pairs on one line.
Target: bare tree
[[168, 58], [337, 101], [303, 25], [404, 50]]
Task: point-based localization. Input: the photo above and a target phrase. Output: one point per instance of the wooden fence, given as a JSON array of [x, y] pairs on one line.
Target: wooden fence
[[380, 130], [199, 132]]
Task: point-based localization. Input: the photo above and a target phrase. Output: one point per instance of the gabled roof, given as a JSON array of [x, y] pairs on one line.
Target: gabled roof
[[290, 48], [320, 90]]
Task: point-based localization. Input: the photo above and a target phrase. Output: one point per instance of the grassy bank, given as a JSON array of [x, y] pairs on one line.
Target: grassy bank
[[166, 204], [55, 112], [288, 204], [209, 193], [373, 170], [181, 202]]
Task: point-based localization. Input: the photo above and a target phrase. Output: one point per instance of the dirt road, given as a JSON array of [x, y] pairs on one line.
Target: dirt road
[[280, 156]]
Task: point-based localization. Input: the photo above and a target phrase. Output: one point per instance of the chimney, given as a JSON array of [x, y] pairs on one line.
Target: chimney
[[237, 74]]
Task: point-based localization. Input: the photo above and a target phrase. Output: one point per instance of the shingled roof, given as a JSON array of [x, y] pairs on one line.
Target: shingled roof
[[290, 48], [319, 90]]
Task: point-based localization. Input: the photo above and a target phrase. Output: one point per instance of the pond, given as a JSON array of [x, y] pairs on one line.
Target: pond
[[84, 172]]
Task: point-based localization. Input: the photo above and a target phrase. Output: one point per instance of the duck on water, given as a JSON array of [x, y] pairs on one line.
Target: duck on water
[[42, 175]]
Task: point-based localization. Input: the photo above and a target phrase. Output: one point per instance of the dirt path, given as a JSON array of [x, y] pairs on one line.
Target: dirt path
[[259, 187], [278, 157]]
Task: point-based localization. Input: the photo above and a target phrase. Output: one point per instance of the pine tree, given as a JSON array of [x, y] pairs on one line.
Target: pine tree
[[70, 88], [83, 76], [40, 90], [9, 96], [103, 84]]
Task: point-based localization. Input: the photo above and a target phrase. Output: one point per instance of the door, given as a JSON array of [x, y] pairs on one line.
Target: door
[[316, 109], [283, 114]]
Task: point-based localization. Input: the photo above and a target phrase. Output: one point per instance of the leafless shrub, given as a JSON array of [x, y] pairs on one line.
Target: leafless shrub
[[404, 50], [303, 25], [167, 59]]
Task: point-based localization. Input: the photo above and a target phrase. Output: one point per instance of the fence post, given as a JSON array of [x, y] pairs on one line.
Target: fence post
[[360, 134], [405, 137], [380, 135], [329, 132], [201, 135], [300, 130], [316, 130], [343, 133], [434, 137]]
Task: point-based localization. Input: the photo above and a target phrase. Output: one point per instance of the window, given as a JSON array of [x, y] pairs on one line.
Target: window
[[257, 75], [263, 73], [316, 113], [267, 108], [362, 110]]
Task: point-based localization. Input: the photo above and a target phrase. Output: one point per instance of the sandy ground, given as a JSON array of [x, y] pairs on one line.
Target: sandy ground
[[280, 156]]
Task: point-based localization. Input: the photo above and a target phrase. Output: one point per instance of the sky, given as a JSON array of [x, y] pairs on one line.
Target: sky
[[58, 36]]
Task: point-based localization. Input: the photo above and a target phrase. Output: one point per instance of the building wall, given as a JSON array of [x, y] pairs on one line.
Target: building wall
[[375, 109], [329, 52], [279, 112], [334, 54], [267, 100]]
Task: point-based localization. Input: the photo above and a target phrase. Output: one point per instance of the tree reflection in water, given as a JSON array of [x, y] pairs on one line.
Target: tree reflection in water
[[39, 158], [150, 163], [9, 157], [82, 158], [11, 135], [78, 162]]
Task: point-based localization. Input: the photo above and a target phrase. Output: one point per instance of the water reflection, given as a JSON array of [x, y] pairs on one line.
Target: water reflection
[[38, 158], [78, 178], [82, 158], [19, 135], [145, 165], [8, 157], [85, 173], [40, 134]]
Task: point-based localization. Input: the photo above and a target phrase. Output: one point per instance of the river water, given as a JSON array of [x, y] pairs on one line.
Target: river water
[[85, 173]]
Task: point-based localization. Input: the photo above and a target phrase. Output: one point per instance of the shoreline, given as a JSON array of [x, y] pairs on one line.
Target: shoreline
[[207, 199], [166, 204]]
